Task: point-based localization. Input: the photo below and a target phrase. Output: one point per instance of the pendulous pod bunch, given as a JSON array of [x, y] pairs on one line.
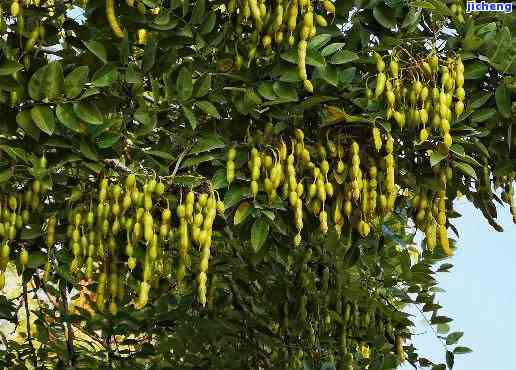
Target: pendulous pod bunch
[[430, 98], [339, 184], [131, 233], [272, 21]]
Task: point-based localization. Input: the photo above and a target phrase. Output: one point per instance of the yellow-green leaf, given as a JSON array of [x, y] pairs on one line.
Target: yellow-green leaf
[[242, 212]]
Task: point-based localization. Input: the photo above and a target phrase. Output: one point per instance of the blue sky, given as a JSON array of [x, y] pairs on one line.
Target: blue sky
[[480, 294]]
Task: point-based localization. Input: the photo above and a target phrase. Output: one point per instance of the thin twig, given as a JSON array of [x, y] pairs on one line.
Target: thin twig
[[69, 329], [27, 316]]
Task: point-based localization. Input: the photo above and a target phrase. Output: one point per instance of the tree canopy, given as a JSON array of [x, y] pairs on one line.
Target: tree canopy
[[243, 184]]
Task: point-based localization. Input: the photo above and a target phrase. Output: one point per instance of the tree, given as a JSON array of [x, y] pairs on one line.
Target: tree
[[242, 184]]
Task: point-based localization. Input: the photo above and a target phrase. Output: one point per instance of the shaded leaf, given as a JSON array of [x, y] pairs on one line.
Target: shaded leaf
[[208, 108], [475, 70], [24, 120], [503, 100], [43, 117], [343, 56], [88, 112], [97, 48], [259, 233], [75, 81], [466, 169], [384, 16], [184, 83], [53, 80], [67, 117], [208, 142], [454, 337], [8, 67]]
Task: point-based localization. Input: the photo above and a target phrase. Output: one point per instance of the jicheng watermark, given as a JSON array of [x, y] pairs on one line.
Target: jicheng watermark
[[485, 6]]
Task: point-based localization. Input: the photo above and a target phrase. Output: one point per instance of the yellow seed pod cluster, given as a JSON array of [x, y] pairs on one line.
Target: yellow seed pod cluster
[[128, 217], [457, 9], [15, 8], [272, 20], [426, 99], [15, 213], [332, 182]]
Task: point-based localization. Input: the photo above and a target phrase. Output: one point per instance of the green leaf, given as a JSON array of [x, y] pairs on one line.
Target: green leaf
[[206, 143], [158, 153], [384, 16], [319, 41], [208, 108], [53, 81], [105, 76], [422, 4], [454, 337], [8, 67], [482, 115], [202, 85], [243, 210], [436, 157], [36, 259], [503, 100], [108, 139], [35, 85], [209, 23], [97, 48], [479, 100], [88, 113], [411, 18], [235, 194], [343, 56], [285, 91], [332, 48], [194, 161], [347, 75], [31, 232], [443, 328], [462, 350], [259, 233], [149, 55], [266, 90], [329, 74], [457, 149], [67, 117], [475, 70], [24, 120], [88, 151], [184, 83], [75, 81], [190, 116], [314, 59], [198, 11], [5, 175], [466, 169], [147, 121], [450, 359], [43, 117]]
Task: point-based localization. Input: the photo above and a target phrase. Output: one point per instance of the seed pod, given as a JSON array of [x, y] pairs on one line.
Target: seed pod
[[380, 84], [301, 56], [394, 68], [459, 108], [112, 20], [423, 135]]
